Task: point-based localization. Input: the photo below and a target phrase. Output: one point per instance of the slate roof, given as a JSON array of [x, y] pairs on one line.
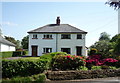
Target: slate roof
[[54, 28], [6, 42]]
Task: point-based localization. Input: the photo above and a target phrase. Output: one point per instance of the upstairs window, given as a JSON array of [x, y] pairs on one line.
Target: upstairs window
[[47, 50], [34, 36], [79, 36], [65, 36], [47, 36]]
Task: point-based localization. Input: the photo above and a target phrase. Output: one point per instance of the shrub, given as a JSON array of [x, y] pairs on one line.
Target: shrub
[[96, 60], [93, 51], [82, 68], [67, 62], [12, 54], [48, 58], [18, 53], [19, 67], [39, 78], [96, 67], [6, 54]]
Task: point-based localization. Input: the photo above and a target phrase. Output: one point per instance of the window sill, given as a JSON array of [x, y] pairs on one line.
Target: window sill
[[69, 39], [34, 38], [47, 38]]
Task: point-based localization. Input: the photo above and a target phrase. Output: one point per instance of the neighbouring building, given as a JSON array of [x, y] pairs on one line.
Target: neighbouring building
[[56, 38], [6, 45]]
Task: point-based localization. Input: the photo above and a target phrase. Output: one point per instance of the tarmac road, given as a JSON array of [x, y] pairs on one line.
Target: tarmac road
[[97, 80]]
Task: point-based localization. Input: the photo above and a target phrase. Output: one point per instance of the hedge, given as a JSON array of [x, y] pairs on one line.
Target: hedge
[[22, 67], [38, 78], [12, 54]]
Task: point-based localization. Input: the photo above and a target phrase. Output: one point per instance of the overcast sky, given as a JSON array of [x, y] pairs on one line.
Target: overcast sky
[[93, 17]]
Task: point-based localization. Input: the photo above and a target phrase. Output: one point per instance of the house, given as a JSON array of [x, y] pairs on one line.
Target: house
[[5, 45], [56, 38]]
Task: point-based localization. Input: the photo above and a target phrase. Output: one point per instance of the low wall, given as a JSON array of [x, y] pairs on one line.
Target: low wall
[[71, 75]]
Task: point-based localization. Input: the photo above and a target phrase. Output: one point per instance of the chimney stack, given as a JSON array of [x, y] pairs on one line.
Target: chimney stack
[[58, 21]]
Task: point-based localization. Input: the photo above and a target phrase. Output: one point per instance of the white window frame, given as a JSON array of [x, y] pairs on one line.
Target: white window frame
[[47, 50], [47, 36]]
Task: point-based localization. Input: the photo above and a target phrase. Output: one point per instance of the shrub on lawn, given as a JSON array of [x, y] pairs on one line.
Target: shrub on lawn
[[6, 54], [38, 78], [67, 62], [19, 67], [12, 54]]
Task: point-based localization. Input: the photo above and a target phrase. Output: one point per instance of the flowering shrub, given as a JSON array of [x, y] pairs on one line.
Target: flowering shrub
[[67, 62], [96, 60]]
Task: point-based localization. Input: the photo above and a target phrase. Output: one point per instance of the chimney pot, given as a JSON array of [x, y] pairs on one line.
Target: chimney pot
[[58, 21]]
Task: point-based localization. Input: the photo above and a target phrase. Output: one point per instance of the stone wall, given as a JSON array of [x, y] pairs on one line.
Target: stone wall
[[71, 75]]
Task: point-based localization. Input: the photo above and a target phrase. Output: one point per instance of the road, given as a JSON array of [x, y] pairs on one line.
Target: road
[[97, 80]]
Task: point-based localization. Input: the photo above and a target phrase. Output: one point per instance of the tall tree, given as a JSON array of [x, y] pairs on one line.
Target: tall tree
[[16, 42], [11, 39], [114, 3], [117, 47], [104, 36], [24, 42]]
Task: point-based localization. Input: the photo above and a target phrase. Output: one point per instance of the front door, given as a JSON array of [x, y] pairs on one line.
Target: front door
[[34, 50], [79, 51]]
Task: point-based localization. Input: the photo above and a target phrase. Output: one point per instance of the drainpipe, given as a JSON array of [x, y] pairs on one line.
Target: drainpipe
[[56, 42]]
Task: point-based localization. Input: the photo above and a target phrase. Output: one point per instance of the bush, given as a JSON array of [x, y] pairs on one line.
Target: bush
[[6, 54], [93, 51], [39, 78], [96, 67], [19, 67], [96, 60], [48, 58], [12, 54], [67, 62], [82, 68], [18, 53]]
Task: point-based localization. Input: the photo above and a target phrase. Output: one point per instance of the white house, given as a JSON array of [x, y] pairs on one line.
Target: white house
[[5, 45], [56, 38]]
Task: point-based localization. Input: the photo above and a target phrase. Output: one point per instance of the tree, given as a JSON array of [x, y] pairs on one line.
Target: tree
[[115, 38], [104, 36], [116, 41], [24, 42], [103, 47], [117, 47], [11, 39], [114, 3], [16, 42]]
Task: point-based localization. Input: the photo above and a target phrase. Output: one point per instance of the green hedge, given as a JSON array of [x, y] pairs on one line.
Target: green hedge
[[38, 78], [19, 67], [12, 54], [6, 54], [48, 58]]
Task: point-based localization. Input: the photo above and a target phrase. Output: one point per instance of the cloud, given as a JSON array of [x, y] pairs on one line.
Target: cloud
[[9, 23]]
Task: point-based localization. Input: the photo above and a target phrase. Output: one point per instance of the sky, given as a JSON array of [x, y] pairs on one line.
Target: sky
[[93, 17]]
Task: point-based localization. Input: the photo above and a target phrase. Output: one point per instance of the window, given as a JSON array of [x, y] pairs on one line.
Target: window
[[47, 36], [34, 36], [65, 36], [79, 36], [47, 50], [67, 50]]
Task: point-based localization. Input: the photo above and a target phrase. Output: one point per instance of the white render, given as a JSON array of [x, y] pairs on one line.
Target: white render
[[5, 47], [56, 43]]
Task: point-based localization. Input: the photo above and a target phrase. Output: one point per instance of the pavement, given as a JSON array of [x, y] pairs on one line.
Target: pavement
[[97, 80]]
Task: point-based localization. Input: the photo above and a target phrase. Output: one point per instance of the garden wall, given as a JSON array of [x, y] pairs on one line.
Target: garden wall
[[81, 74]]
